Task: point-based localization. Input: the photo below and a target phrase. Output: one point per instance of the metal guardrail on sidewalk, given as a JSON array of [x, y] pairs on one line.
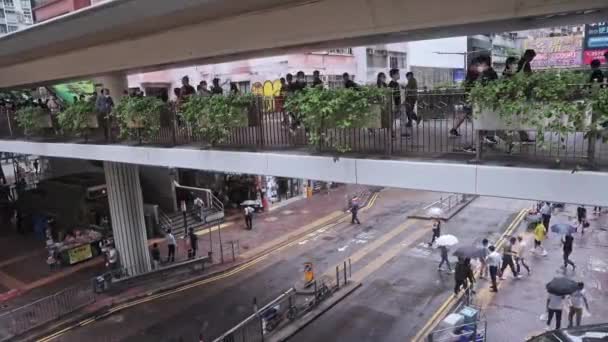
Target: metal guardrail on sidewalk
[[22, 319], [287, 307]]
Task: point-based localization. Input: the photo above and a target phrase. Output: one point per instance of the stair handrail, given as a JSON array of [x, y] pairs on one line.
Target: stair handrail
[[163, 216], [211, 199]]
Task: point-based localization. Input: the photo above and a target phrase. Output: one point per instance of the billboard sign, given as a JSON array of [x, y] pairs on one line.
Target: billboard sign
[[596, 42], [552, 52]]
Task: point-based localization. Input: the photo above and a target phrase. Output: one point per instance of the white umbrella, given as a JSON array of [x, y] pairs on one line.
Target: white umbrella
[[435, 212], [446, 240]]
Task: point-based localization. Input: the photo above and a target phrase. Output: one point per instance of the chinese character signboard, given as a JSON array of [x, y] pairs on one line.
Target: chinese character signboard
[[556, 51], [596, 42]]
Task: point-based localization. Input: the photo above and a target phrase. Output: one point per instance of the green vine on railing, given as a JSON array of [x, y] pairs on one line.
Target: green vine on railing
[[139, 116], [214, 117], [77, 117], [551, 101], [319, 109], [33, 119]]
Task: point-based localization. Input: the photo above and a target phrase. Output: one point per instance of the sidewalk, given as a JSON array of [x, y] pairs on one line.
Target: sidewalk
[[514, 313], [29, 278]]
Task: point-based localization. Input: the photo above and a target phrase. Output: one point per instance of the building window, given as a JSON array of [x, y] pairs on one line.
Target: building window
[[244, 87], [397, 60], [26, 4], [9, 3], [12, 28], [2, 29], [342, 51]]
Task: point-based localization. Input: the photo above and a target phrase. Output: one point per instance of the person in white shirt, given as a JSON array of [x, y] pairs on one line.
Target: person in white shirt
[[493, 260], [577, 299], [520, 250], [249, 217], [554, 308], [171, 243]]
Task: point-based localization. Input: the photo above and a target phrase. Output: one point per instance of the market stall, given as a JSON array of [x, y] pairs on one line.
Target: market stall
[[78, 246]]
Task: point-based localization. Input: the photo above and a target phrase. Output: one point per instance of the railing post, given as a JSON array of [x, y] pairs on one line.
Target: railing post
[[350, 268], [592, 142], [259, 111], [338, 277], [173, 127], [345, 278]]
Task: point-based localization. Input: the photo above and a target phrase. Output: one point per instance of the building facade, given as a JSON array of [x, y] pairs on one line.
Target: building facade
[[15, 15]]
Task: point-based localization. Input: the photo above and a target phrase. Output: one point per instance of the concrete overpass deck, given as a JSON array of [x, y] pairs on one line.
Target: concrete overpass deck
[[137, 35]]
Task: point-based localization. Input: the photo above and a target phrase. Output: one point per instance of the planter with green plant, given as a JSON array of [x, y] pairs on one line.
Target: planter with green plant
[[321, 109], [139, 117], [33, 120], [214, 117], [78, 118], [550, 101]]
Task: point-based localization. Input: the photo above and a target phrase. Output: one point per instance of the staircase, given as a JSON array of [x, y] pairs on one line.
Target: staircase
[[212, 213]]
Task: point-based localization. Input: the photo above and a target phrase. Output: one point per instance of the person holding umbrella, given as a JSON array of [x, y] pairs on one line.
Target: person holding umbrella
[[463, 274], [436, 231], [567, 242], [444, 258], [558, 288]]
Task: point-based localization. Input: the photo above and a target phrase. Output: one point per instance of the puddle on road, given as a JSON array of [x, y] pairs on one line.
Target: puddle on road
[[271, 219], [598, 265]]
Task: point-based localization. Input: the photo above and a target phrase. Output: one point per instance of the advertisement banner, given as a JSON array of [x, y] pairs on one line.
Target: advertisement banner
[[80, 253], [596, 42], [556, 51]]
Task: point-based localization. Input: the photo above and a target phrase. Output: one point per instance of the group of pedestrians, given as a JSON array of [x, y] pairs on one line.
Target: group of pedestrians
[[191, 240]]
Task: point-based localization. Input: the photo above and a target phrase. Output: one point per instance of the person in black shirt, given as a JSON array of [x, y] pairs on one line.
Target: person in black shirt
[[155, 252], [396, 94], [234, 89], [348, 83], [567, 242], [510, 68], [290, 86], [186, 89], [216, 89], [300, 81], [193, 244], [381, 80], [524, 62], [316, 79], [596, 74]]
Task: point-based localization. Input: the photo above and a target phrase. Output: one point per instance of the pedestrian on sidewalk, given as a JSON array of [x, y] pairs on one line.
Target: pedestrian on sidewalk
[[507, 259], [171, 243], [193, 244], [520, 249], [493, 260], [483, 254], [581, 214], [444, 258], [112, 263], [463, 274], [554, 308], [540, 233], [567, 242], [155, 252], [545, 211], [354, 210], [577, 299], [597, 210], [249, 217], [436, 231]]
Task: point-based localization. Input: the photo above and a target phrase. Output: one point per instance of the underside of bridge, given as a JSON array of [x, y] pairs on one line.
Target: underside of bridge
[[109, 38]]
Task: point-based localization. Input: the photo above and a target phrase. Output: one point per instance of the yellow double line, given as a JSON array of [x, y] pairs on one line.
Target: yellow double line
[[453, 299], [232, 272]]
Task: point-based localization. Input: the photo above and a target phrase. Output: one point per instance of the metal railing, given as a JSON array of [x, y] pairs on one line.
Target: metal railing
[[287, 307], [270, 127], [22, 319], [165, 221]]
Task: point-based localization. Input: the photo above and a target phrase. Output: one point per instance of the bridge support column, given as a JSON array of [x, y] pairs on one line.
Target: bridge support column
[[127, 216], [116, 83]]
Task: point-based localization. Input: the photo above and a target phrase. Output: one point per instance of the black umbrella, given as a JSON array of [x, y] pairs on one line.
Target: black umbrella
[[469, 252], [561, 286]]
